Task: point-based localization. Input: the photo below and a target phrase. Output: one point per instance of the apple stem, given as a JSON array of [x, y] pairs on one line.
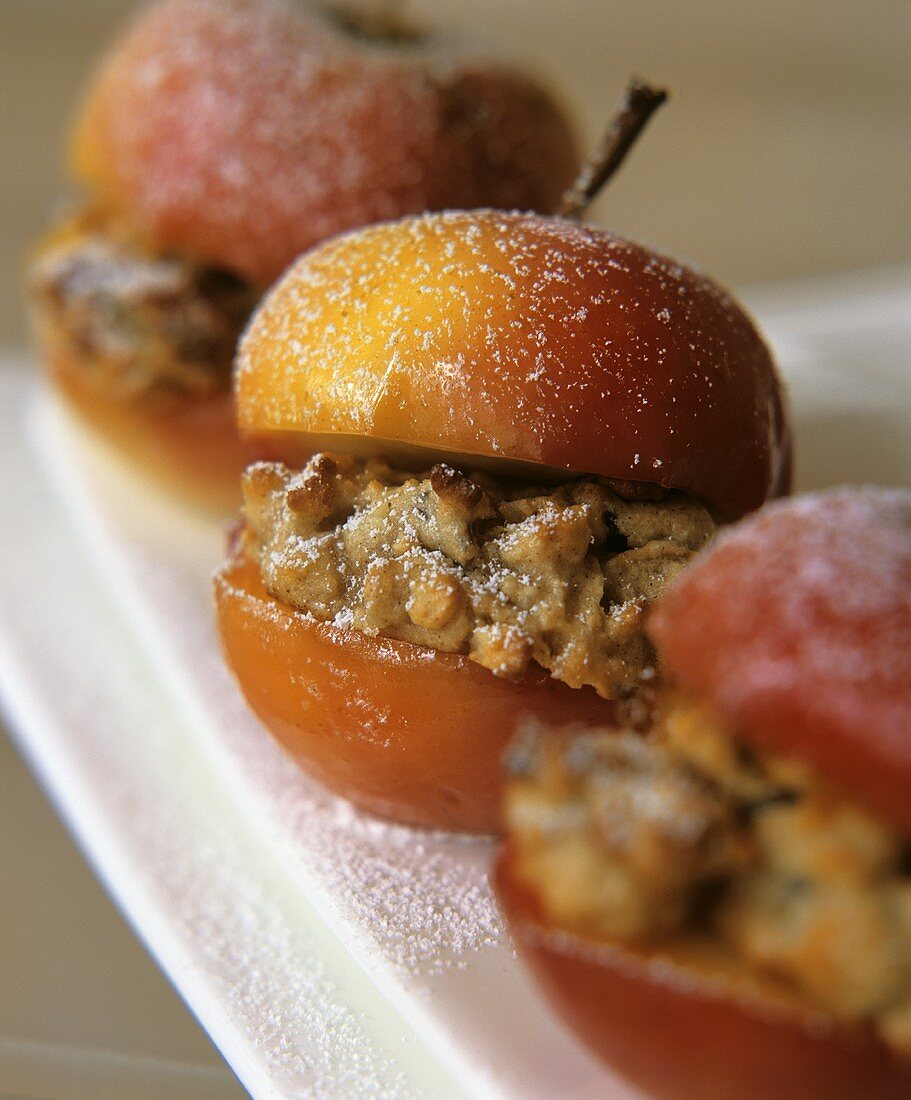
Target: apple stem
[[639, 103], [386, 11], [380, 21]]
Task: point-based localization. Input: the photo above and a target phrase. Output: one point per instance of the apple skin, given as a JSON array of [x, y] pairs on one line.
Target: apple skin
[[795, 627], [492, 337], [242, 132], [403, 731]]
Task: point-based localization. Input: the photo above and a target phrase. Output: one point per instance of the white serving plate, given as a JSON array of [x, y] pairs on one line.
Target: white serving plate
[[328, 954]]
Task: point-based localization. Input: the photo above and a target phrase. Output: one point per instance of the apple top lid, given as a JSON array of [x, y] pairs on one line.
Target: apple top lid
[[499, 337], [796, 627], [242, 132]]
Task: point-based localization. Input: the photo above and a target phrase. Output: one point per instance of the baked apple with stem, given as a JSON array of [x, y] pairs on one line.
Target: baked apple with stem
[[494, 439]]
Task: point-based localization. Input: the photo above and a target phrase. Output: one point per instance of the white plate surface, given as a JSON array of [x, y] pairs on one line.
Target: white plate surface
[[328, 954]]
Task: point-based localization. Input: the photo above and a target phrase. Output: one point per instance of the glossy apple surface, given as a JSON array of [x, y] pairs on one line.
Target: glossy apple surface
[[401, 730]]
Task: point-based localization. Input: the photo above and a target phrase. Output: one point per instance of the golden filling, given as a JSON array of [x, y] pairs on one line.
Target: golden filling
[[623, 835], [136, 325], [506, 573]]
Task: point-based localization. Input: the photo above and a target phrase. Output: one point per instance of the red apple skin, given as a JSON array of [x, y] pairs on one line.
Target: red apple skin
[[242, 132], [795, 627]]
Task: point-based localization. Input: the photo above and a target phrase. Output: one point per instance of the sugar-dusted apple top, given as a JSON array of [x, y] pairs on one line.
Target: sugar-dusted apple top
[[511, 336], [241, 132], [796, 626]]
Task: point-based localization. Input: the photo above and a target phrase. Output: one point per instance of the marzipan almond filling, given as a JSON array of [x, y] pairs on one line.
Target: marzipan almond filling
[[136, 325], [645, 837], [506, 573]]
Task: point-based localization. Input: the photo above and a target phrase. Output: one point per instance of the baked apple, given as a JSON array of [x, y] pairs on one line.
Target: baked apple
[[718, 897], [495, 438], [221, 138]]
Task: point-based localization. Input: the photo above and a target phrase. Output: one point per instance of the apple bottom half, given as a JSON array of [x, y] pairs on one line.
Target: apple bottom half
[[689, 1024], [189, 446], [401, 730]]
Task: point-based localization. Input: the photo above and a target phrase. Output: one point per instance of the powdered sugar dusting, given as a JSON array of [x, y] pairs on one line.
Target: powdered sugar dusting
[[797, 625], [411, 891], [416, 901], [244, 131], [220, 917], [536, 339], [420, 899]]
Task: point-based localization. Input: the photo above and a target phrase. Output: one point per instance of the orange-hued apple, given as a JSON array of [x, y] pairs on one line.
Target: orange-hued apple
[[532, 348], [502, 337]]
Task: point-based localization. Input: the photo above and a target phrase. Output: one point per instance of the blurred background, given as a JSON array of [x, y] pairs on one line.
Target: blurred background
[[785, 152]]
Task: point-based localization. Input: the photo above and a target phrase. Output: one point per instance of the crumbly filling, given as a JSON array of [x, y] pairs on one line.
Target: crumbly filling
[[639, 837], [508, 574], [138, 325]]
